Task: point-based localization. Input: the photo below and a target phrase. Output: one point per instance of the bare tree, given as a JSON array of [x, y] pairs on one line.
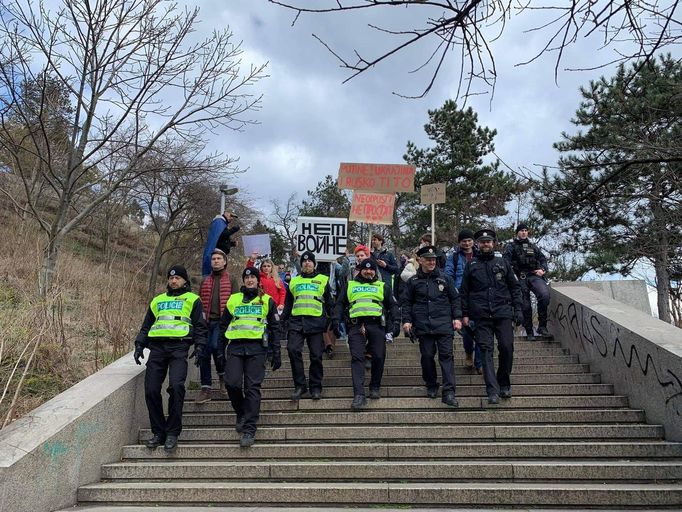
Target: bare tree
[[133, 76], [286, 216], [463, 28]]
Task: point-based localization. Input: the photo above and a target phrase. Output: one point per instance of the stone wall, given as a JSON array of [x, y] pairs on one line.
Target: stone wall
[[47, 454], [640, 355], [632, 292]]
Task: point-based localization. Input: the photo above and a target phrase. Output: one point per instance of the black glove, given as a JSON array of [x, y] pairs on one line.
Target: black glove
[[276, 362], [197, 354], [396, 329], [139, 353], [518, 318], [336, 330]]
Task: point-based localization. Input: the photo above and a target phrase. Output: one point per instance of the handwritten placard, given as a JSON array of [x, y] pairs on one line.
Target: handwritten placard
[[383, 178], [372, 208]]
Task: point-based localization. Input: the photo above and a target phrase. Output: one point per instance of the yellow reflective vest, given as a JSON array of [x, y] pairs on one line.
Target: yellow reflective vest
[[249, 319], [172, 315], [308, 293], [365, 299]]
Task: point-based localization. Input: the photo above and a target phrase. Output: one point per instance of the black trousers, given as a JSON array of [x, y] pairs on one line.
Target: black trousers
[[374, 341], [428, 345], [503, 330], [244, 374], [295, 349], [540, 289], [166, 356]]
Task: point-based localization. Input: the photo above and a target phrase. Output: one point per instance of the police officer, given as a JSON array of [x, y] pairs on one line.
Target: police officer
[[250, 324], [491, 301], [308, 308], [370, 311], [173, 322], [530, 266], [431, 312]]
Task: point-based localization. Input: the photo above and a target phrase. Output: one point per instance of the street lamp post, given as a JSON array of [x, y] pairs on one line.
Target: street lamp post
[[226, 190]]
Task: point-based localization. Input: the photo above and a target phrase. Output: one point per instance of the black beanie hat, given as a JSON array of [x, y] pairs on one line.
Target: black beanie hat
[[307, 256], [178, 270], [521, 226], [465, 234], [251, 271]]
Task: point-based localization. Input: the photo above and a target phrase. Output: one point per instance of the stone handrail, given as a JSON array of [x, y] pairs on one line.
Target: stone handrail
[[640, 355]]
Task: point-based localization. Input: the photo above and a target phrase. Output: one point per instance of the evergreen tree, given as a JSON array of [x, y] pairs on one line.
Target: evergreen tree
[[477, 190], [617, 198]]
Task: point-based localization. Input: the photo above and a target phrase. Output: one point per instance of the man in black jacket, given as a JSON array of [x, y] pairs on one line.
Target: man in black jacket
[[385, 260], [530, 266], [173, 322], [308, 308], [491, 301], [431, 312]]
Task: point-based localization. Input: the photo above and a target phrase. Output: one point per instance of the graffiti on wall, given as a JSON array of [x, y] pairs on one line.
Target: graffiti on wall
[[598, 334]]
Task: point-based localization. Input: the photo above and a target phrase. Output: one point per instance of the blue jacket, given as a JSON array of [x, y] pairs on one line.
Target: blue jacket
[[457, 271], [218, 236]]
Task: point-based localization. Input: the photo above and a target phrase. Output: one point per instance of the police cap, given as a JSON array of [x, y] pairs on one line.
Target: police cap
[[485, 234], [367, 264], [428, 251]]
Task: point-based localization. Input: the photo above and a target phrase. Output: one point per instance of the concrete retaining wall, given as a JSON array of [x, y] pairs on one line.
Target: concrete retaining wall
[[47, 454], [629, 291], [639, 354]]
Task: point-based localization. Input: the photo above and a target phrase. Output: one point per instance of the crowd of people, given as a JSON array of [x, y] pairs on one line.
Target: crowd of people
[[430, 296]]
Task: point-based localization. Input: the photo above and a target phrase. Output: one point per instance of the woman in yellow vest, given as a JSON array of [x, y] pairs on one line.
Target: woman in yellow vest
[[249, 324], [174, 321], [370, 311]]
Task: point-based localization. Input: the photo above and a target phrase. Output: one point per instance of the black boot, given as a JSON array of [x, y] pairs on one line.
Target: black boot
[[542, 331], [247, 440], [449, 399], [358, 402], [171, 444], [156, 441], [298, 393]]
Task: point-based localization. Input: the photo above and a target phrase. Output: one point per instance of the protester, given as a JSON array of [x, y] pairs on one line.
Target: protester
[[385, 260], [270, 280], [214, 291], [220, 233]]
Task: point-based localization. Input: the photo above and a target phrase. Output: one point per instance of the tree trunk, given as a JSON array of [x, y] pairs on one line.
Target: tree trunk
[[156, 265], [48, 267], [661, 261]]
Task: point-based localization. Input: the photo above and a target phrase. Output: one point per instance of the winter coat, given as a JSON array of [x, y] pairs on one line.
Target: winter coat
[[430, 303]]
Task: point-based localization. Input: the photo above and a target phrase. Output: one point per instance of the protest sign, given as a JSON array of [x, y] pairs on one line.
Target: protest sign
[[326, 237], [382, 178], [259, 244], [433, 193], [372, 208]]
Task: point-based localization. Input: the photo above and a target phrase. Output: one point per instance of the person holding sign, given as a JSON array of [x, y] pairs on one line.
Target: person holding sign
[[431, 313], [370, 311], [250, 325], [308, 309]]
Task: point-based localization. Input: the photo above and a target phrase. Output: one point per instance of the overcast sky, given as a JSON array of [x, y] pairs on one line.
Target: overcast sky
[[310, 121]]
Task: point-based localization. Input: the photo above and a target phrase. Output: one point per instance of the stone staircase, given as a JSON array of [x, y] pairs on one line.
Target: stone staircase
[[564, 440]]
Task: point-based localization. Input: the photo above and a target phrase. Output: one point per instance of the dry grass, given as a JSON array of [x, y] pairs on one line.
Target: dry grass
[[89, 320]]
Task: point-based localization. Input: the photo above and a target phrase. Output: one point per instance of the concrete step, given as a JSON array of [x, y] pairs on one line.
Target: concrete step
[[440, 493], [415, 369], [519, 341], [463, 417], [342, 353], [462, 379], [518, 402], [388, 470], [520, 359], [402, 450], [418, 391], [423, 433]]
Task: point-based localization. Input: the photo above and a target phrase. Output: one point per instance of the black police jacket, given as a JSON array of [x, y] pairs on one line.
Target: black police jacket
[[309, 324], [524, 256], [430, 302], [489, 288]]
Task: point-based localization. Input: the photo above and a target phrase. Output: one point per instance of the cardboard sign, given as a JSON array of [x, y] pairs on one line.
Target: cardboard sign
[[433, 194], [384, 178], [326, 237], [372, 208], [256, 243]]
